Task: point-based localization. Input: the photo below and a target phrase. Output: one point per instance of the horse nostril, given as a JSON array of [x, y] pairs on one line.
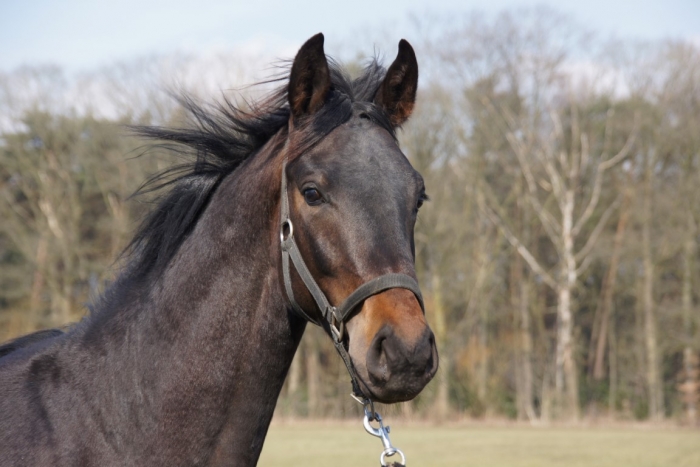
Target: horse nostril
[[432, 360], [422, 357], [378, 358], [389, 355]]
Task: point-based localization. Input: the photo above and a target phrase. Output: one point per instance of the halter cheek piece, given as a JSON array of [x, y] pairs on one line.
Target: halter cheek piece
[[335, 317]]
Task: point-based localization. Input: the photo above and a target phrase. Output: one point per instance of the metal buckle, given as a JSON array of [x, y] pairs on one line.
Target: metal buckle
[[337, 326], [286, 223]]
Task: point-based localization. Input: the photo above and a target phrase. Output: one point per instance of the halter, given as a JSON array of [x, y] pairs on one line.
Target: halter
[[336, 317]]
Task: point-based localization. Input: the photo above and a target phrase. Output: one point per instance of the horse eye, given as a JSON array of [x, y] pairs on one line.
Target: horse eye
[[422, 199], [312, 196]]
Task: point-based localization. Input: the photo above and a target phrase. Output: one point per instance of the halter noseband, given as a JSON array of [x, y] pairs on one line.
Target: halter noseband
[[335, 317]]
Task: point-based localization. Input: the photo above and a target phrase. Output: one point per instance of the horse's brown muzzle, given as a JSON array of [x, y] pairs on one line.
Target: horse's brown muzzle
[[392, 346]]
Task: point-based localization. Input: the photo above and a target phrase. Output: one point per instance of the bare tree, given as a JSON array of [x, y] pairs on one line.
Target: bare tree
[[553, 165]]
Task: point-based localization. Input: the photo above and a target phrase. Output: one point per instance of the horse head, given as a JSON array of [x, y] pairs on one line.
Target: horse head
[[353, 200]]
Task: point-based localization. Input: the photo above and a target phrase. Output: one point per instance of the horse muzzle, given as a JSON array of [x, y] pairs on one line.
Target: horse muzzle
[[392, 347]]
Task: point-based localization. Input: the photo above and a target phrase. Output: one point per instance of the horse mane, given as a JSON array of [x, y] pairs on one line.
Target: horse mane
[[28, 340], [220, 138]]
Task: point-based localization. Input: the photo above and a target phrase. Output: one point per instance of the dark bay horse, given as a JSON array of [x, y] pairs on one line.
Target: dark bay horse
[[180, 363]]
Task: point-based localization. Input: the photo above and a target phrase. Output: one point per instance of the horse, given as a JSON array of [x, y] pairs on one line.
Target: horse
[[180, 362]]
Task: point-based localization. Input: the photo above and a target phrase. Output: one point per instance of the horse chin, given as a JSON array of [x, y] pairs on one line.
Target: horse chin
[[398, 390]]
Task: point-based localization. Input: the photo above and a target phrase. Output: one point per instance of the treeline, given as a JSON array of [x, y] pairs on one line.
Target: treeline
[[558, 254]]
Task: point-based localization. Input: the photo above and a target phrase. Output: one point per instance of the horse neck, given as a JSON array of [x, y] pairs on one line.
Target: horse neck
[[212, 342]]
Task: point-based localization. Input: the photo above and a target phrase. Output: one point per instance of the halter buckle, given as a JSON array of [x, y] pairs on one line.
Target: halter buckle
[[285, 236], [337, 326]]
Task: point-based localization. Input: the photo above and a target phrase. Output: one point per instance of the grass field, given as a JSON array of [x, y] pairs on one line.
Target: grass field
[[342, 445]]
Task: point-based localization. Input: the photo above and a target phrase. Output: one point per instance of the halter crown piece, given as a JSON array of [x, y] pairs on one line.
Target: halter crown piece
[[336, 317]]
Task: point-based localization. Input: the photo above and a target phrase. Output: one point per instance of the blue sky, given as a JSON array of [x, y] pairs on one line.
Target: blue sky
[[80, 34]]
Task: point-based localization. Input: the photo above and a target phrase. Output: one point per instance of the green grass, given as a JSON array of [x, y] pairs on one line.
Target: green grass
[[342, 445]]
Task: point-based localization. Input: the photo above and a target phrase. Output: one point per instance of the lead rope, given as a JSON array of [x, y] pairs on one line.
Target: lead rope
[[336, 319]]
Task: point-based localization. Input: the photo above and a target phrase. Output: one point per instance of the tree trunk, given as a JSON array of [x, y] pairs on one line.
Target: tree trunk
[[656, 405], [294, 374], [689, 387], [23, 323], [312, 376], [294, 382], [566, 379], [515, 280], [608, 291], [442, 404], [612, 395], [546, 387], [38, 282], [526, 343], [483, 373], [523, 342]]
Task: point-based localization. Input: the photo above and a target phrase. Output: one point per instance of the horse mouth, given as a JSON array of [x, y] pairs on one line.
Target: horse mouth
[[390, 375]]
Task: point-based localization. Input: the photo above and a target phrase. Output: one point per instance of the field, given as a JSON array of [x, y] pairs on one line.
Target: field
[[342, 445]]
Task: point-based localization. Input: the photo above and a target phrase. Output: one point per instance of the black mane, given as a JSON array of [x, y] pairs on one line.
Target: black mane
[[219, 139], [28, 340]]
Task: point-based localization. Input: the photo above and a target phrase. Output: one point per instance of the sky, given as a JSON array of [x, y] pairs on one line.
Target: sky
[[83, 35]]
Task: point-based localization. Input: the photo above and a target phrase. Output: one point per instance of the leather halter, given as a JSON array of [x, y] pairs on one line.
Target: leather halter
[[334, 317]]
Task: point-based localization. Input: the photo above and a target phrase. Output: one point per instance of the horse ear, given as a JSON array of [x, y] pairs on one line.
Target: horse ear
[[310, 79], [397, 93]]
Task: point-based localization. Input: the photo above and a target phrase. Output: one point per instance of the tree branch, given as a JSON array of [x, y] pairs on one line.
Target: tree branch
[[602, 167], [550, 226], [592, 203], [584, 265], [605, 165], [585, 251], [515, 242], [554, 177]]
